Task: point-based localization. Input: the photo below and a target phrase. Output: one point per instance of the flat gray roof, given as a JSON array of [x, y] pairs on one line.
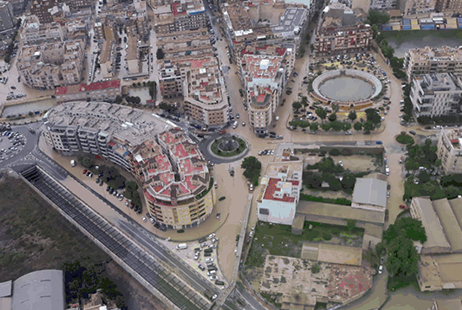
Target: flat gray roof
[[340, 212], [370, 191], [433, 228], [6, 289], [292, 17], [39, 290], [449, 221]]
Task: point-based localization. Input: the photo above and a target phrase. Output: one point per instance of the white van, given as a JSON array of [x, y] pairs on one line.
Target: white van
[[182, 246], [235, 124]]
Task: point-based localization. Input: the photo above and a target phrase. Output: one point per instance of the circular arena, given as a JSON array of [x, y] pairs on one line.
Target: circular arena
[[346, 87]]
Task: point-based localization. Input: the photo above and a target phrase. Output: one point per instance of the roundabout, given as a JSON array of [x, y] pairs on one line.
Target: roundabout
[[228, 146]]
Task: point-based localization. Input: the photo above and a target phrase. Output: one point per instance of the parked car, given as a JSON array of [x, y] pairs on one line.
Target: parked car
[[404, 207]]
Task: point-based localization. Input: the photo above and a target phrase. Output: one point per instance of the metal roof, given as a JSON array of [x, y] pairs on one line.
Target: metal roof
[[39, 290], [369, 191]]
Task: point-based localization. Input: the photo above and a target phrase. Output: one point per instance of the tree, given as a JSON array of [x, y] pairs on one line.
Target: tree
[[378, 18], [332, 117], [411, 164], [252, 168], [118, 99], [312, 180], [368, 126], [314, 127], [350, 225], [334, 152], [346, 126], [326, 126], [348, 181], [373, 116], [336, 126], [321, 113], [160, 54], [358, 126], [352, 115], [423, 177], [167, 107], [296, 105], [375, 31]]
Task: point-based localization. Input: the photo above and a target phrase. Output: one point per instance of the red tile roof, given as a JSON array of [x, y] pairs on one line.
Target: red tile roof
[[271, 189], [89, 87]]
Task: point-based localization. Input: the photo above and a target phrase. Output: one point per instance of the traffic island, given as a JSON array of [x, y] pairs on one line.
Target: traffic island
[[228, 146]]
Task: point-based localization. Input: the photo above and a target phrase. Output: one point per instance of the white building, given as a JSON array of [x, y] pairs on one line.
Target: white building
[[278, 200], [436, 94], [450, 150]]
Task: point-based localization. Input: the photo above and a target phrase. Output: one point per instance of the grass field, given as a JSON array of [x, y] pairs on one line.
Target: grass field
[[35, 236], [402, 36], [279, 240]]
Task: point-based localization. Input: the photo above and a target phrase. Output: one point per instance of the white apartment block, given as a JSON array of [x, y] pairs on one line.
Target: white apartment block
[[32, 32], [51, 65], [278, 200], [383, 4], [450, 150], [436, 94], [433, 60]]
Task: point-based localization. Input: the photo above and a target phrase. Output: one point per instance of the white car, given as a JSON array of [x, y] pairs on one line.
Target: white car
[[214, 240], [211, 236], [213, 278], [209, 260], [144, 219], [380, 269]]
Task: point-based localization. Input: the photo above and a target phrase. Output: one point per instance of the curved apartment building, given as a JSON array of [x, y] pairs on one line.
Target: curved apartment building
[[170, 167]]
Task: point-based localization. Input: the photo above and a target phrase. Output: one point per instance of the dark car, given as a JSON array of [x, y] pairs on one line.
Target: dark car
[[412, 132]]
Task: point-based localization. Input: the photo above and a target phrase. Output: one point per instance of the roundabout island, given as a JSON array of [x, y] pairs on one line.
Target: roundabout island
[[228, 146]]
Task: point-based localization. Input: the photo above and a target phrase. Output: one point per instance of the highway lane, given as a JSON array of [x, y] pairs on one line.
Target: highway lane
[[145, 239]]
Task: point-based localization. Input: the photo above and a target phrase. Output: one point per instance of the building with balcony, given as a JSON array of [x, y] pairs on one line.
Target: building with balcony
[[436, 94], [176, 181], [383, 4], [448, 6], [341, 33], [413, 7], [51, 65], [170, 167], [33, 32], [277, 202], [179, 16], [204, 92], [433, 60], [450, 150], [170, 79], [264, 78], [97, 91]]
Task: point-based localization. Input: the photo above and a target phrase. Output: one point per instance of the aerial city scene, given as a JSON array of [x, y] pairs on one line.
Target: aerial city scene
[[230, 154]]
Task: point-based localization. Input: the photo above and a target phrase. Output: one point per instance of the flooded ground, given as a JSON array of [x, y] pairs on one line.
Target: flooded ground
[[25, 108]]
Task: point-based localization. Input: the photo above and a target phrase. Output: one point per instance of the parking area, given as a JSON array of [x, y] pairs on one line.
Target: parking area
[[202, 256], [11, 143]]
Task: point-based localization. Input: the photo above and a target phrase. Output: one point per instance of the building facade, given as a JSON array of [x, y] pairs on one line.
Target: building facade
[[436, 94], [340, 33], [433, 60], [33, 32], [280, 194], [174, 175], [51, 65], [179, 16], [264, 78], [450, 150]]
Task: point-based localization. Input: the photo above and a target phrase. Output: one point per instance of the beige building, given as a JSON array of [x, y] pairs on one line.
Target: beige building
[[50, 65], [450, 150], [448, 6], [133, 60], [413, 7], [185, 43], [176, 181], [105, 59], [440, 265], [179, 16], [433, 60], [33, 32], [450, 304], [264, 78], [340, 33], [204, 92], [174, 175]]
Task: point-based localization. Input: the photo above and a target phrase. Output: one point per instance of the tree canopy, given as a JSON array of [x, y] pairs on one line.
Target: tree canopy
[[376, 17], [252, 168]]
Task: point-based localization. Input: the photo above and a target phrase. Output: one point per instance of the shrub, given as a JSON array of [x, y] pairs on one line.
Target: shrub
[[334, 152]]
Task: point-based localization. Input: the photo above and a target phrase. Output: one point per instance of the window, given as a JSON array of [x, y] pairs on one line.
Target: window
[[264, 211]]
